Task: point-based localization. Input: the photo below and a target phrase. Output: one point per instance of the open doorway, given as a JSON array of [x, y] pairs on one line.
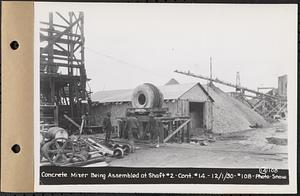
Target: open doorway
[[196, 113]]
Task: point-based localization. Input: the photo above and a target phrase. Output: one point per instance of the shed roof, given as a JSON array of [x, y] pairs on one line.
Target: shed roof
[[169, 92], [172, 82]]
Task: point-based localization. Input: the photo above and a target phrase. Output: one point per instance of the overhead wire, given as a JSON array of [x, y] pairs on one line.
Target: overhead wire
[[120, 61]]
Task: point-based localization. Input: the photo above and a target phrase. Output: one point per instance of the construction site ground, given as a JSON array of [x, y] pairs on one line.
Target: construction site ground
[[249, 149]]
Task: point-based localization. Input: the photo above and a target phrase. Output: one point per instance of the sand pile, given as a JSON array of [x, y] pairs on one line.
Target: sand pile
[[230, 114]]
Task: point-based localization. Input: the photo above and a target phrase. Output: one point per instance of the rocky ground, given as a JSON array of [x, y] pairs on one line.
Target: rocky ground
[[261, 147]]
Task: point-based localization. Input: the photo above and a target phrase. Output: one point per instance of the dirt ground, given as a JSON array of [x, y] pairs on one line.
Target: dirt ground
[[249, 149]]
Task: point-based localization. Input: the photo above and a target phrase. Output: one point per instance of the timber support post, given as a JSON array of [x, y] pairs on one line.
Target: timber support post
[[177, 130]]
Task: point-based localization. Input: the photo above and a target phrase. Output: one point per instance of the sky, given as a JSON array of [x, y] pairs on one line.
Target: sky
[[130, 44]]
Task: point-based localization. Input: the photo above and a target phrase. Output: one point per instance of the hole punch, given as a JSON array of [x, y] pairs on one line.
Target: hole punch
[[16, 148], [14, 45]]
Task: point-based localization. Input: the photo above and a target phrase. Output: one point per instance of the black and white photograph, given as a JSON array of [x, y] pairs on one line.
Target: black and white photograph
[[166, 86]]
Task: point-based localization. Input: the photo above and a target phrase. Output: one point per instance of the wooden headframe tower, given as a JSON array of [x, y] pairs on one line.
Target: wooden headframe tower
[[62, 70]]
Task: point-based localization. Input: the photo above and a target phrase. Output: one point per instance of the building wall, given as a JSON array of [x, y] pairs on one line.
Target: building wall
[[176, 108], [172, 107], [119, 110], [208, 115], [116, 110], [282, 85], [195, 94]]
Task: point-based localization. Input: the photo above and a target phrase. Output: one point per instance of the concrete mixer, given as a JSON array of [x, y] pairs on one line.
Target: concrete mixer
[[147, 96], [147, 106]]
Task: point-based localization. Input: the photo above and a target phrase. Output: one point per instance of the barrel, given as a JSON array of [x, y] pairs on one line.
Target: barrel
[[147, 96], [57, 132]]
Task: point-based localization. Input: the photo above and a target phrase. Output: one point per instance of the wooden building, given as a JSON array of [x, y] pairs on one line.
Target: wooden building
[[182, 100]]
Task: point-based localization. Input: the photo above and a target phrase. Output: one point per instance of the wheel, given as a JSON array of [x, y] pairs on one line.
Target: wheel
[[59, 151], [116, 146], [118, 153]]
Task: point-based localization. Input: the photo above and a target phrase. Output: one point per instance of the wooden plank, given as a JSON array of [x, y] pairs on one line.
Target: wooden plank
[[60, 64], [46, 117], [273, 109], [81, 126], [207, 115], [56, 115], [249, 103], [72, 121], [187, 107], [59, 40], [258, 104], [211, 116], [48, 106], [56, 31], [176, 131], [283, 107], [55, 52], [45, 58], [62, 17], [56, 25], [188, 127]]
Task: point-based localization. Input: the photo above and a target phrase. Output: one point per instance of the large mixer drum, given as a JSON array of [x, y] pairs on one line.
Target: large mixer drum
[[147, 96]]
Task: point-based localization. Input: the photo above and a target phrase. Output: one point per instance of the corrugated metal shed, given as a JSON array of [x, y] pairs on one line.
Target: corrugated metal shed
[[169, 92]]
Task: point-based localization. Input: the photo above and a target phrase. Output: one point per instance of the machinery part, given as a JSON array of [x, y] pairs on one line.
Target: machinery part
[[109, 144], [126, 148], [116, 145], [80, 146], [118, 153], [59, 151], [80, 157], [56, 132], [147, 96], [104, 150]]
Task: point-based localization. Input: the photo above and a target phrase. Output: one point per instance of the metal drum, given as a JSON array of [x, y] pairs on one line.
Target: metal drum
[[147, 96], [57, 132]]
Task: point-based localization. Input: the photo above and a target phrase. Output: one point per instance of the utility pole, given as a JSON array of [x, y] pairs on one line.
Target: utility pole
[[238, 82], [209, 82], [210, 68]]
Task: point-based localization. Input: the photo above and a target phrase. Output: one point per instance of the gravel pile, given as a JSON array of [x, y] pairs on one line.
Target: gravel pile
[[231, 115]]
